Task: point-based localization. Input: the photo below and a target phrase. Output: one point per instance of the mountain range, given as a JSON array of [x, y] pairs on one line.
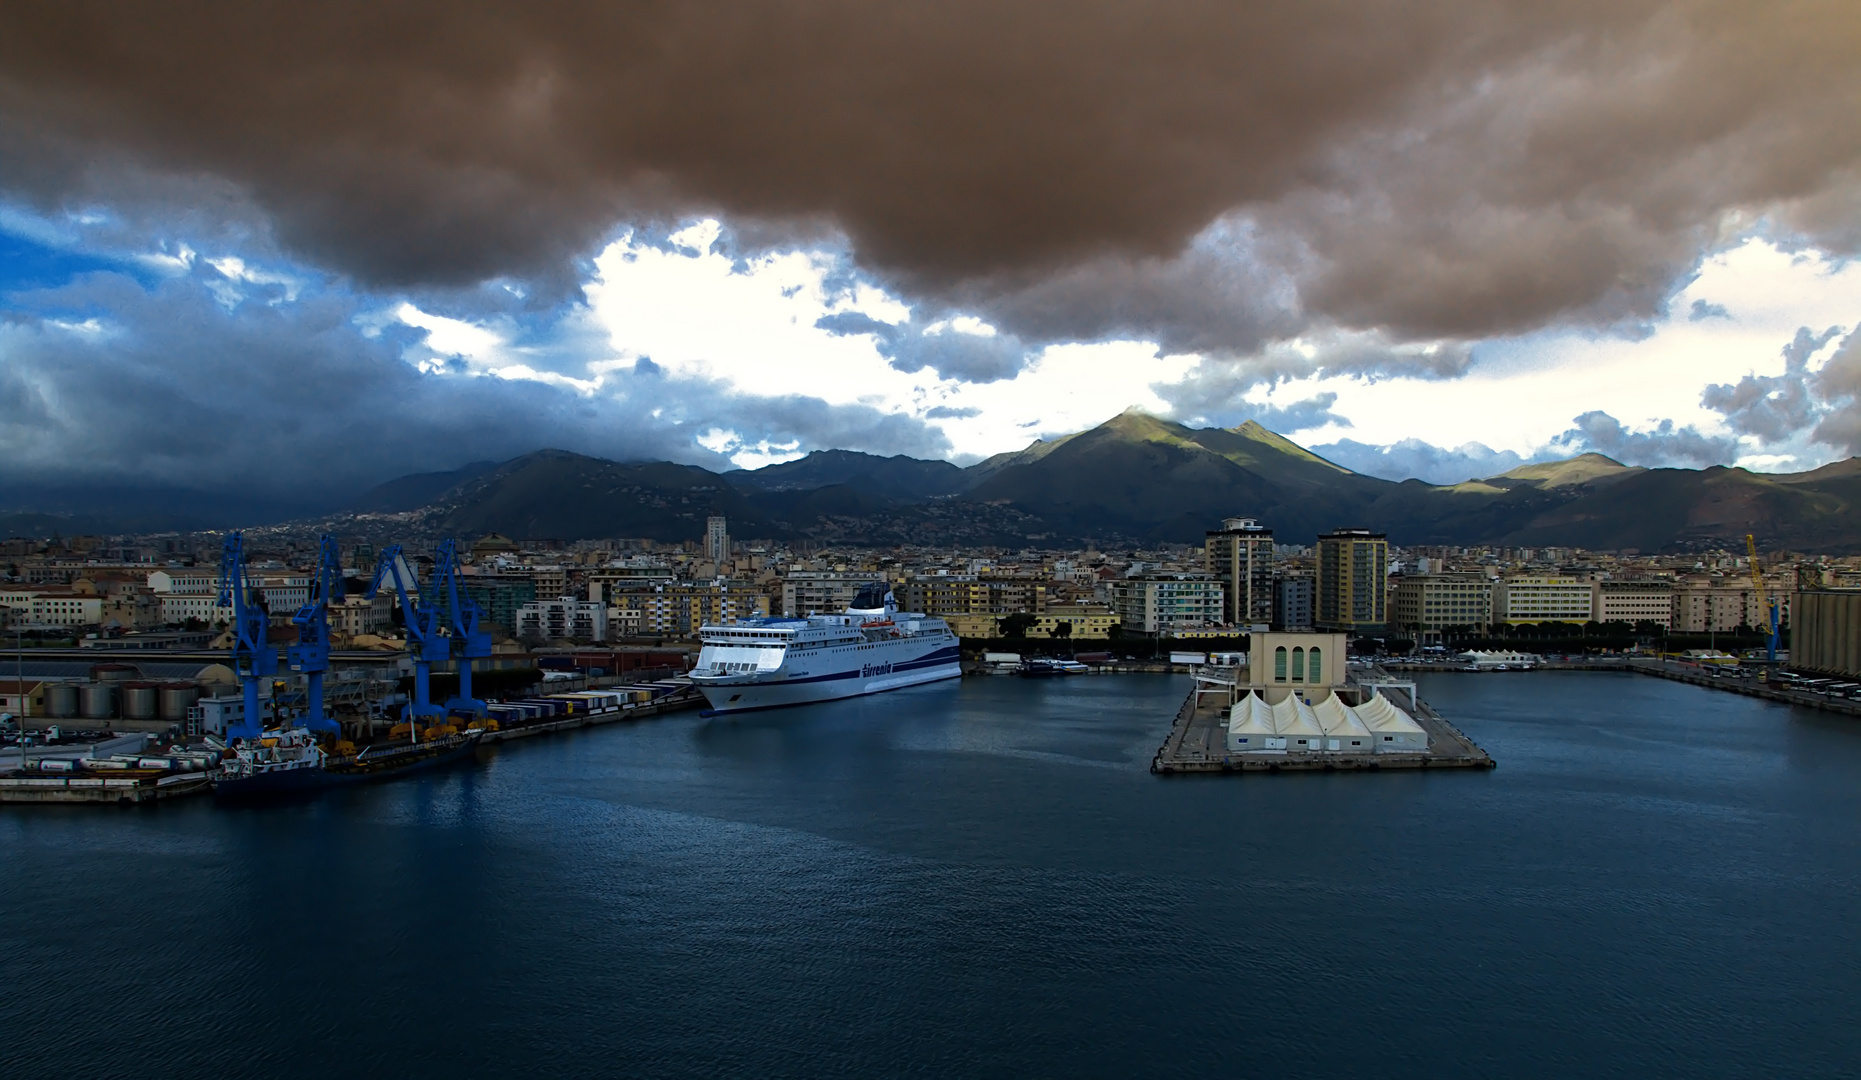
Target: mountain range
[[1135, 478]]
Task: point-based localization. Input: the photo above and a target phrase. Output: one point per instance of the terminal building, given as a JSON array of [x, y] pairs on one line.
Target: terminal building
[[1294, 703]]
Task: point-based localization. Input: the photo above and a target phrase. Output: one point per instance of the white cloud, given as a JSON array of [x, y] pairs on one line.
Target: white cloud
[[1524, 392]]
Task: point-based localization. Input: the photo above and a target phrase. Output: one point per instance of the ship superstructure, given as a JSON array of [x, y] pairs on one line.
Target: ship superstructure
[[873, 647]]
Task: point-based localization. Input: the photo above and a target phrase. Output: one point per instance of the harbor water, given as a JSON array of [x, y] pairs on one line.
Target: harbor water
[[978, 878]]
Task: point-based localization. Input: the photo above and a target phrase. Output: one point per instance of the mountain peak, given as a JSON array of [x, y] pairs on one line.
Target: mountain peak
[[1582, 469]]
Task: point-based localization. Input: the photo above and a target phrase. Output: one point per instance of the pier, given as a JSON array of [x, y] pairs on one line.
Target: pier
[[1198, 743]]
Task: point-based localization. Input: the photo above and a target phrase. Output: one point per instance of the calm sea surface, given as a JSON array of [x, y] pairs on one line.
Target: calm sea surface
[[979, 879]]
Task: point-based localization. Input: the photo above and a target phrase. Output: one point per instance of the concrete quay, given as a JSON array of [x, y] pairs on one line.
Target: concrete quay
[[151, 786], [1694, 674], [675, 702], [1198, 743]]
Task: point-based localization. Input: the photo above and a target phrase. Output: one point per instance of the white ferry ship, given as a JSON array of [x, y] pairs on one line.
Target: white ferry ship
[[765, 663]]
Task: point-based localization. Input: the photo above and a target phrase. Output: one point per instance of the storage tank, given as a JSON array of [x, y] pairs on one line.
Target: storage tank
[[139, 701], [61, 701], [97, 701], [177, 698]]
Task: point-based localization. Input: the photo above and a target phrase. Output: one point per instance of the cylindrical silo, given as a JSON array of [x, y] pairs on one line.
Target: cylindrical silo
[[61, 701], [113, 672], [97, 701], [177, 698], [139, 701]]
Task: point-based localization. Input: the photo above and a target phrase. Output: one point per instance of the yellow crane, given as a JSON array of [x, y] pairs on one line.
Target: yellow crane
[[1765, 603]]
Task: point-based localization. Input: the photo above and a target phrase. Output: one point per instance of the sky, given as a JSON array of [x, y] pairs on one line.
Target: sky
[[314, 247]]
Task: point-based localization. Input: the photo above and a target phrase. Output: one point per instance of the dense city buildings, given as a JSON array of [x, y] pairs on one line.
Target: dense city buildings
[[1353, 581], [583, 591], [1240, 556]]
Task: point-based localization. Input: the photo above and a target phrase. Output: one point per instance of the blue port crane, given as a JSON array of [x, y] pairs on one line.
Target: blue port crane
[[425, 639], [311, 655], [1767, 603], [253, 656], [469, 640]]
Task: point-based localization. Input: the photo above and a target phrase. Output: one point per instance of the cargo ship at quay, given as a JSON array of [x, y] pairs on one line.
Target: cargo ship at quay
[[873, 647]]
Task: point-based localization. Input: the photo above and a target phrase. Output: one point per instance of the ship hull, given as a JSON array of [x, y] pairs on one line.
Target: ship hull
[[286, 783], [774, 691]]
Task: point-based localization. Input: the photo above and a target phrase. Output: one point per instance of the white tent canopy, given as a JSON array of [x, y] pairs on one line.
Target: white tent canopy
[[1250, 727], [1343, 730], [1394, 730], [1294, 720]]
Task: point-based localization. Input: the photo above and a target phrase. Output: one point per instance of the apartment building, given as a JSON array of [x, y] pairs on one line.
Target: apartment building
[[579, 620], [1353, 581], [1164, 603]]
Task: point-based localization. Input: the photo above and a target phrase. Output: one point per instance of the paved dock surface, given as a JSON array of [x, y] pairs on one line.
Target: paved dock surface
[[1198, 743]]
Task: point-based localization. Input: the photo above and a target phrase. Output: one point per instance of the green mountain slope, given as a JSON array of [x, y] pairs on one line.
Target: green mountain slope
[[1137, 478]]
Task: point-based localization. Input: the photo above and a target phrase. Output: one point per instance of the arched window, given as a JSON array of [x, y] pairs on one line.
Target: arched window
[[1298, 665], [1314, 667], [1279, 664]]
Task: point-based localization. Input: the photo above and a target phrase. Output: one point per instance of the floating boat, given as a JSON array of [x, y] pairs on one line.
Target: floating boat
[[288, 761], [872, 648], [1038, 667]]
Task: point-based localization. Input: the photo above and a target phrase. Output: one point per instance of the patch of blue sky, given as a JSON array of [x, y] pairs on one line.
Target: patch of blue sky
[[26, 263]]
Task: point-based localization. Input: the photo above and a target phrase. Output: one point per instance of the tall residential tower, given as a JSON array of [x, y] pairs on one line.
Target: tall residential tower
[[1353, 581], [716, 540], [1240, 555]]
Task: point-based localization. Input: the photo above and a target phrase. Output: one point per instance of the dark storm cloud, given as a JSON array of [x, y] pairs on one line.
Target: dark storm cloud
[[108, 378], [950, 352], [1440, 170], [1216, 391]]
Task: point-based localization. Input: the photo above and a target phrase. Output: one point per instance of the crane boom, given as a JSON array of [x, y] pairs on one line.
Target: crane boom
[[311, 654], [253, 656], [421, 619], [464, 617], [1766, 604]]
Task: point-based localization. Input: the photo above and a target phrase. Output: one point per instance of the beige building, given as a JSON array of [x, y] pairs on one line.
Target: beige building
[[354, 615], [1086, 620], [1430, 603], [1524, 600], [1700, 607], [679, 609], [1296, 658], [815, 592], [1634, 602]]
